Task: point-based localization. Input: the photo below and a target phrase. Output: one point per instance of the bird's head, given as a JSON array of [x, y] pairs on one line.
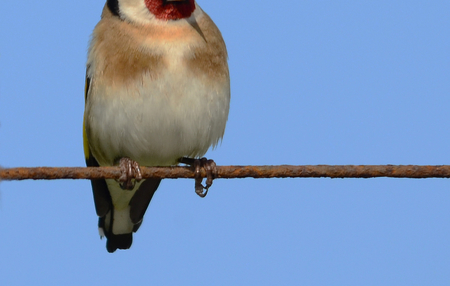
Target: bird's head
[[170, 9], [138, 10]]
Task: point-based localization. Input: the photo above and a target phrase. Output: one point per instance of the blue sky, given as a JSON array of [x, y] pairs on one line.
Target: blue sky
[[313, 82]]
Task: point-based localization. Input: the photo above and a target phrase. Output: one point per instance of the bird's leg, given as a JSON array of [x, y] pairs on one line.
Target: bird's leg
[[210, 169], [130, 170]]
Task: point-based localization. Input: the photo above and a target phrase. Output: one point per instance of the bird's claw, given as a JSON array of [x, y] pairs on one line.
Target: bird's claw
[[130, 170], [210, 169]]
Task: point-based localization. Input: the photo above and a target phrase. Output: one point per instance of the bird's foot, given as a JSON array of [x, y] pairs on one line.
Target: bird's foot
[[129, 170], [210, 169]]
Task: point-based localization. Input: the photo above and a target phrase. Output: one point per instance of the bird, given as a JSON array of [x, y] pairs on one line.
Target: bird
[[157, 93]]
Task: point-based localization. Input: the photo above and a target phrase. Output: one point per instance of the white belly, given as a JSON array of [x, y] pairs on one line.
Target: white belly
[[156, 122]]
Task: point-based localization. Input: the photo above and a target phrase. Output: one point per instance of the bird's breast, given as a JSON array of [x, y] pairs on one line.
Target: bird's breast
[[157, 120], [157, 93]]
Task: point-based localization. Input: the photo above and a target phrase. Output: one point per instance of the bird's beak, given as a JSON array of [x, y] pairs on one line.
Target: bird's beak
[[173, 2]]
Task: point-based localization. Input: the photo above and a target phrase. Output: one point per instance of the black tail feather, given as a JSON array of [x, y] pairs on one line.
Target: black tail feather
[[119, 241], [115, 241], [138, 205]]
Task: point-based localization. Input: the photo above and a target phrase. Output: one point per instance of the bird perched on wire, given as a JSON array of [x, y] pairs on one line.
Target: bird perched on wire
[[157, 93]]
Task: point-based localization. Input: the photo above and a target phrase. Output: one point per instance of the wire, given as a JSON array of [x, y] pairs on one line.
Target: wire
[[229, 172]]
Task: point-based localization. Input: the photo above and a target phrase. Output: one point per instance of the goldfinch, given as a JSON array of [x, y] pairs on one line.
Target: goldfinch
[[157, 90]]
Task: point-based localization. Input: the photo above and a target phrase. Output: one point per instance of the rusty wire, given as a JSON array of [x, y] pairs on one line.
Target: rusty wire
[[229, 172]]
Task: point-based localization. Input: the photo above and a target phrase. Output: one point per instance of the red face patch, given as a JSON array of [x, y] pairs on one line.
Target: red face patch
[[165, 10]]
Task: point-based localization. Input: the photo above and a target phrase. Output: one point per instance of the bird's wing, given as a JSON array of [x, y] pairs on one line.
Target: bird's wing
[[102, 198], [141, 199]]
